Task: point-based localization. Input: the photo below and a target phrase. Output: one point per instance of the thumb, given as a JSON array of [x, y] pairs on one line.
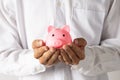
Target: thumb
[[81, 42], [37, 43]]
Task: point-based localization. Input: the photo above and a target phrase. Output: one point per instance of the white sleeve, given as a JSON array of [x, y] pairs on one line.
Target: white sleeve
[[105, 57], [14, 60]]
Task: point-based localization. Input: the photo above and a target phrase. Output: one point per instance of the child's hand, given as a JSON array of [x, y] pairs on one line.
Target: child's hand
[[74, 52], [46, 56]]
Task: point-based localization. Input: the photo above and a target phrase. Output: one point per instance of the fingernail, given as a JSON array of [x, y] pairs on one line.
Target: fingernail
[[64, 46], [52, 49], [46, 48], [40, 43]]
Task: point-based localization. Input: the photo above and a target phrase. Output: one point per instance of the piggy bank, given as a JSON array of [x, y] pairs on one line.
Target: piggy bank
[[57, 37]]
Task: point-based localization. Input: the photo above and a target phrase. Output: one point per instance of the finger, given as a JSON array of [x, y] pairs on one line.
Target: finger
[[71, 54], [53, 58], [38, 52], [82, 55], [65, 56], [56, 61], [80, 42], [61, 58], [46, 56], [37, 44], [79, 52], [76, 49]]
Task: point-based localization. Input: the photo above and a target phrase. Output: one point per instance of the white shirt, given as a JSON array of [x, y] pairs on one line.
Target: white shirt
[[22, 21]]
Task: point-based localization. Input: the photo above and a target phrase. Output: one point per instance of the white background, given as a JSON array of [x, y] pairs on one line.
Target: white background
[[112, 76]]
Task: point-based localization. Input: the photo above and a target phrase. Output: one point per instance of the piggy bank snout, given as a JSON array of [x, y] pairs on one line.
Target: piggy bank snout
[[58, 43]]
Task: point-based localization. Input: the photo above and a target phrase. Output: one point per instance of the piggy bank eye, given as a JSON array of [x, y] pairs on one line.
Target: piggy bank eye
[[53, 35], [63, 35]]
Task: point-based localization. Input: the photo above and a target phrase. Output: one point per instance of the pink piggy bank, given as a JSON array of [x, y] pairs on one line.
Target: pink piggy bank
[[57, 37]]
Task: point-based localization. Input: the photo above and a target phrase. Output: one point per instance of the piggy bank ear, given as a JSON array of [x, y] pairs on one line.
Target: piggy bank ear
[[66, 28], [50, 28]]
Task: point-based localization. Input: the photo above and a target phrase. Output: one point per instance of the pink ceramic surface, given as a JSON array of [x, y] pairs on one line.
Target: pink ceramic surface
[[57, 37]]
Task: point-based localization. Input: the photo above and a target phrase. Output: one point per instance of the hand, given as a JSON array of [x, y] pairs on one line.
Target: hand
[[47, 56], [74, 52]]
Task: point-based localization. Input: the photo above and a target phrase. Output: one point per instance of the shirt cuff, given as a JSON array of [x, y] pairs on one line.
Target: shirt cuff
[[85, 65], [31, 66]]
